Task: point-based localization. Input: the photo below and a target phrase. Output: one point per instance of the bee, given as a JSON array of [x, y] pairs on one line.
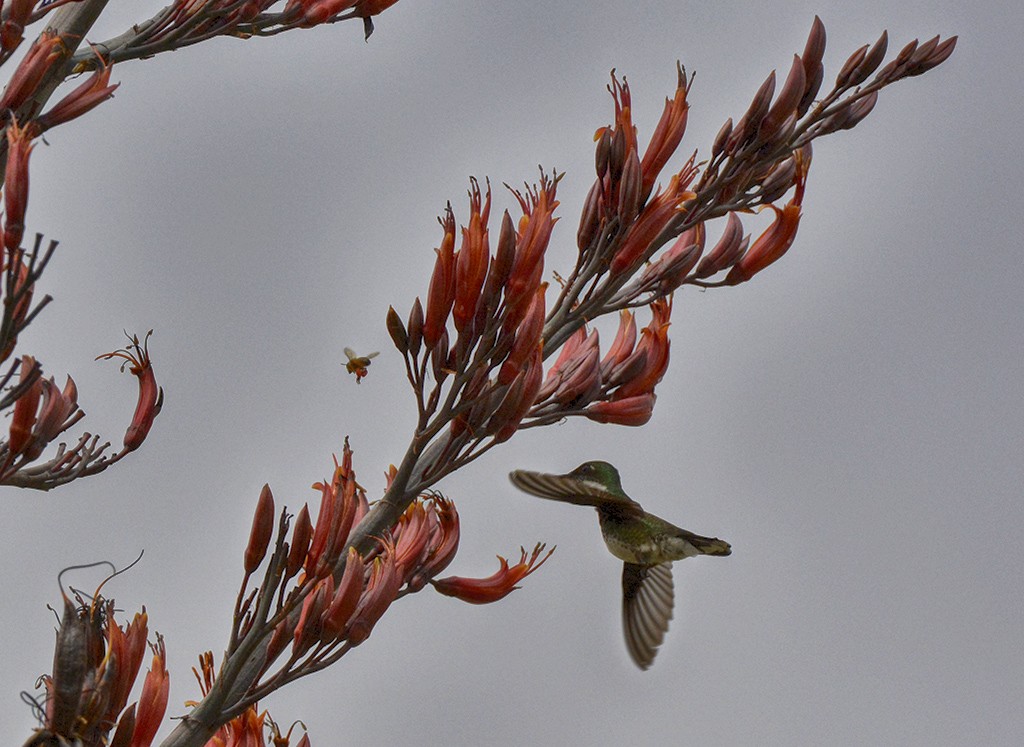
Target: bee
[[357, 364]]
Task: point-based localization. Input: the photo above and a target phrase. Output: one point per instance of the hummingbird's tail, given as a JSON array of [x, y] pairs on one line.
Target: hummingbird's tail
[[708, 545]]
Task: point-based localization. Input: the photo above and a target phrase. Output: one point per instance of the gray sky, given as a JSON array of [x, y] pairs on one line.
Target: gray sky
[[852, 421]]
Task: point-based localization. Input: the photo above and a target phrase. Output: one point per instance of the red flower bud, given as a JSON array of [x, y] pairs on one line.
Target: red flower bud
[[442, 284], [261, 532]]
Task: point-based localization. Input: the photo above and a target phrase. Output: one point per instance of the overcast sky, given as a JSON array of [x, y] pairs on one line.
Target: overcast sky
[[852, 421]]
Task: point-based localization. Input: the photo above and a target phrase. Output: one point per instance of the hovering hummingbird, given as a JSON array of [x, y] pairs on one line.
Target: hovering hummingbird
[[647, 545], [358, 364]]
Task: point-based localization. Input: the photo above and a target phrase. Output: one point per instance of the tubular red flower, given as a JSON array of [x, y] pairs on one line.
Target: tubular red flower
[[381, 591], [55, 414], [494, 587], [309, 630], [535, 228], [412, 532], [23, 418], [778, 237], [472, 259], [622, 345], [153, 702], [633, 411], [346, 598], [18, 14], [19, 148], [664, 206], [151, 397], [532, 380], [95, 90], [528, 337], [667, 135], [43, 54], [655, 343], [441, 295]]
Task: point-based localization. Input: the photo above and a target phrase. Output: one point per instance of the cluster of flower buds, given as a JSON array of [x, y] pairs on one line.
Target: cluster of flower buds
[[620, 218], [95, 665], [616, 388], [43, 60], [322, 594], [185, 22], [494, 307], [42, 411], [753, 163]]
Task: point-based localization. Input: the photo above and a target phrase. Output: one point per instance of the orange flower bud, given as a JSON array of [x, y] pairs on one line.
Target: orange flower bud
[[494, 587], [300, 542], [814, 71], [472, 259], [442, 284], [667, 135], [786, 103], [153, 702], [415, 327], [592, 217], [534, 234], [397, 331], [637, 243], [261, 532], [730, 247]]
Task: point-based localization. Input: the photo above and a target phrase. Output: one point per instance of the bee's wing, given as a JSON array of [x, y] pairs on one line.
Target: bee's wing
[[350, 353], [647, 598], [372, 355]]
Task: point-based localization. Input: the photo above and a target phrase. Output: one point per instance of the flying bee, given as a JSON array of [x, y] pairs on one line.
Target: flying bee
[[357, 364]]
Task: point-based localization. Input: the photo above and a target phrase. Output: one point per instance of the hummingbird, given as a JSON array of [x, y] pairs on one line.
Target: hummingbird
[[645, 543]]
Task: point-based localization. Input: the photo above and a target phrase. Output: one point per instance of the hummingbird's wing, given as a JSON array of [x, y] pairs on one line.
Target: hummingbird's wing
[[646, 609], [570, 489]]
